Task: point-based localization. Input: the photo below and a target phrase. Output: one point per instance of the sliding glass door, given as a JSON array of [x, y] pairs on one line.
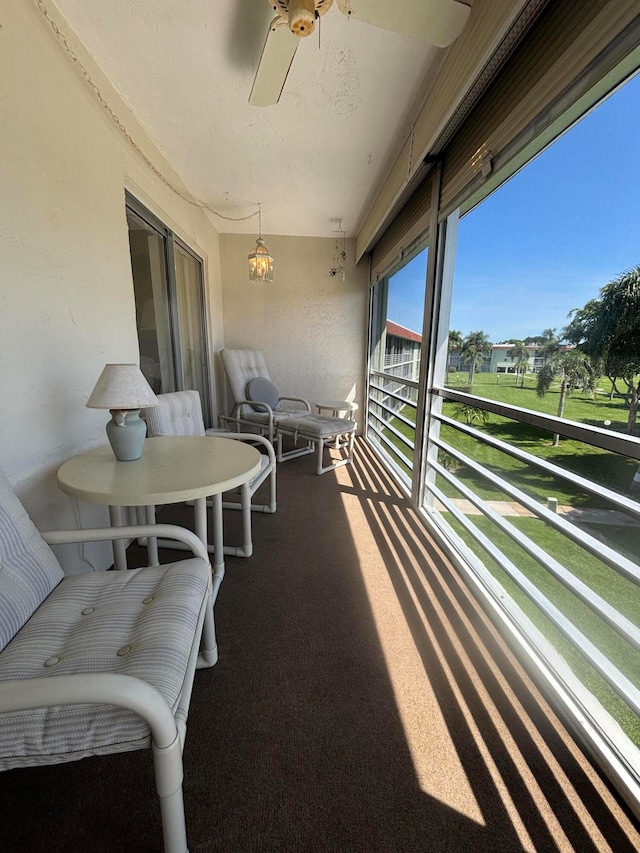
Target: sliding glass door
[[191, 322], [168, 287]]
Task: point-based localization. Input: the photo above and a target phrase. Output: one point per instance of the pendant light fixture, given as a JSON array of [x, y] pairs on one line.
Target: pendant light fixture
[[260, 261]]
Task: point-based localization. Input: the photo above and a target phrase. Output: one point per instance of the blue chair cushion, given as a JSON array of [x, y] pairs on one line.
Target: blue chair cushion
[[263, 391]]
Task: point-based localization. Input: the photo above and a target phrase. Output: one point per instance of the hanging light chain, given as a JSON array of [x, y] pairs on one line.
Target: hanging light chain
[[190, 199]]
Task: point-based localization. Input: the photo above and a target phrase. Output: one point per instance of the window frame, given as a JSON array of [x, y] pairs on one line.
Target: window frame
[[581, 712]]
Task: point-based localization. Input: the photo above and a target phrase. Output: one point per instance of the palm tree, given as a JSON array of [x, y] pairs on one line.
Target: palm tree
[[575, 371], [520, 354], [608, 329], [473, 348], [454, 343], [471, 414], [549, 345]]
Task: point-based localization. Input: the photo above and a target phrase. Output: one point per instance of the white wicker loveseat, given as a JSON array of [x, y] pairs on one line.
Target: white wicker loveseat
[[99, 662]]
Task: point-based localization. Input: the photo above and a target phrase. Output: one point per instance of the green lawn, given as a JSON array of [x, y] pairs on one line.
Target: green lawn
[[581, 407], [600, 466], [620, 592]]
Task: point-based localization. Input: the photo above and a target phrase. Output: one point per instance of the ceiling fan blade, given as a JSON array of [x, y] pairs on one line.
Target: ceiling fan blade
[[277, 55], [438, 22]]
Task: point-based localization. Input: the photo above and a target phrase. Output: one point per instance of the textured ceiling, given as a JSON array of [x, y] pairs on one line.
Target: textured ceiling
[[186, 70]]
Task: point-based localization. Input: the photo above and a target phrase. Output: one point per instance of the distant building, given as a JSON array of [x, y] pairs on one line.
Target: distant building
[[500, 362], [402, 366], [402, 351], [401, 360], [402, 355]]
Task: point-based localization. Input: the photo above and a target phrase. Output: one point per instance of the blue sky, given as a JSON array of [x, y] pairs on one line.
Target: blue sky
[[550, 238]]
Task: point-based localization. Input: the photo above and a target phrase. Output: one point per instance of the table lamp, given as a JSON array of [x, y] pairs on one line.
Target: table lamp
[[123, 389]]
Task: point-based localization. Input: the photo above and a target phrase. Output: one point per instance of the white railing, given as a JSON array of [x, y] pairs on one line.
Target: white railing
[[389, 398], [524, 580], [396, 359], [602, 639]]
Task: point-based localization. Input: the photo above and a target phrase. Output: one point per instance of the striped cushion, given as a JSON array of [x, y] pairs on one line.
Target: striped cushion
[[29, 569], [241, 365], [177, 413], [317, 426], [149, 615], [263, 417]]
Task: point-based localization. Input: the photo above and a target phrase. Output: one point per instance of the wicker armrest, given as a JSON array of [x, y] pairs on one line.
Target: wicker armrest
[[103, 534]]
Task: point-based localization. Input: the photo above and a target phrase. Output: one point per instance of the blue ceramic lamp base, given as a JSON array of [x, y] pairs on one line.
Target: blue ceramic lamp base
[[126, 432]]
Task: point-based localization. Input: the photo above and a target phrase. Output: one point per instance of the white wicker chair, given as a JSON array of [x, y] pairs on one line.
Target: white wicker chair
[[242, 366], [180, 413], [99, 662], [259, 406]]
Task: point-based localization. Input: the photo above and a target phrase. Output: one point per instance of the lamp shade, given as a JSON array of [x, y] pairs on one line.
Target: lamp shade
[[121, 387]]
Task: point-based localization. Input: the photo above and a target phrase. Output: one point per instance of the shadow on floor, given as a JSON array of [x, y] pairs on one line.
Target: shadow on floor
[[297, 740]]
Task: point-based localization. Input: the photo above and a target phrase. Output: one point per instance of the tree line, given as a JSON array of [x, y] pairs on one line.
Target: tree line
[[605, 334]]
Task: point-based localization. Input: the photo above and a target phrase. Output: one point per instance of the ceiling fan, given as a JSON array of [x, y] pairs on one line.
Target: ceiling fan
[[438, 22]]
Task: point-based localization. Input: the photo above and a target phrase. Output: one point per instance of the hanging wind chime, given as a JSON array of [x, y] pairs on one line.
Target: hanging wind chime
[[339, 253]]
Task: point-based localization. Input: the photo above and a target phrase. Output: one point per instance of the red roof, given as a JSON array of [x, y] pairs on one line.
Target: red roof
[[402, 332]]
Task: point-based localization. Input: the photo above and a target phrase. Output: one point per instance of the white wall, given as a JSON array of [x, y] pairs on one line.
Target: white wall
[[66, 293], [311, 327]]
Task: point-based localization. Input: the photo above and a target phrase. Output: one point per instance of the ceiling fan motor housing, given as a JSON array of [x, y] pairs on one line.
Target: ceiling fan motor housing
[[301, 14], [437, 22]]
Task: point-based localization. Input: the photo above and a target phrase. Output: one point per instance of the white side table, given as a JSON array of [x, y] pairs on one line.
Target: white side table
[[172, 469], [337, 406]]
